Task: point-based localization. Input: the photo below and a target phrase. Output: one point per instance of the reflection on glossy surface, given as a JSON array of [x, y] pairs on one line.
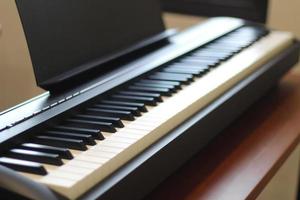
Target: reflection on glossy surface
[[17, 82]]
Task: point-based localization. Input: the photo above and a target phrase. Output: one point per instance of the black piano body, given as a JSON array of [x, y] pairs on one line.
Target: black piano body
[[144, 172]]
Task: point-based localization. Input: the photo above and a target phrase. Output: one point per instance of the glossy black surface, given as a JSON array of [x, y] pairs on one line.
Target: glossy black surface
[[66, 38]]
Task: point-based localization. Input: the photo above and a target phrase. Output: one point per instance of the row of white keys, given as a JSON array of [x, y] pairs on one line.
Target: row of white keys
[[89, 167]]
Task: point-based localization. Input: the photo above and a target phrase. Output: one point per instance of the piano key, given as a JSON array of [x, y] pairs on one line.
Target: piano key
[[164, 78], [162, 91], [176, 84], [35, 156], [246, 31], [221, 56], [61, 142], [220, 50], [87, 139], [228, 50], [3, 128], [23, 166], [125, 115], [206, 58], [134, 110], [62, 152], [114, 120], [172, 88], [232, 45], [243, 33], [168, 115], [171, 77], [220, 59], [93, 132], [90, 124], [181, 68], [236, 37], [198, 61], [189, 66], [236, 41], [156, 96], [182, 80], [140, 106], [215, 51], [188, 77], [185, 71], [134, 99]]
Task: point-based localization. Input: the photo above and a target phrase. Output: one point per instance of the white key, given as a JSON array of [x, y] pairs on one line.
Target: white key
[[107, 156]]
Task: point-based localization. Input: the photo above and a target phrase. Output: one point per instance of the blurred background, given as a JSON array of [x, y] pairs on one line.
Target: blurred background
[[17, 82]]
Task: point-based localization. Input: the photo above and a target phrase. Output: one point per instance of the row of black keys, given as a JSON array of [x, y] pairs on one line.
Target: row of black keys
[[82, 129]]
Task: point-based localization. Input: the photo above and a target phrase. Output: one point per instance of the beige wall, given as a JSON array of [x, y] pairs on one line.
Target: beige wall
[[285, 15], [16, 76]]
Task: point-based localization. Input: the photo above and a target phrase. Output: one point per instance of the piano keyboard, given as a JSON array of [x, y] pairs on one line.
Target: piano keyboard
[[86, 147]]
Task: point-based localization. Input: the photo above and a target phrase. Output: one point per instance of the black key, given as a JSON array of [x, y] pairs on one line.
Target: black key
[[90, 124], [162, 91], [176, 84], [196, 61], [87, 139], [235, 41], [205, 61], [61, 142], [219, 50], [140, 106], [35, 156], [134, 110], [185, 79], [185, 71], [222, 54], [125, 115], [206, 58], [146, 100], [23, 166], [3, 128], [114, 120], [189, 77], [172, 88], [220, 59], [189, 66], [93, 132], [235, 45], [213, 52], [181, 66], [238, 38], [156, 96], [62, 152]]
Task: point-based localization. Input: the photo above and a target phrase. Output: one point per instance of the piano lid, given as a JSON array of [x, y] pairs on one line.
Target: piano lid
[[67, 37]]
